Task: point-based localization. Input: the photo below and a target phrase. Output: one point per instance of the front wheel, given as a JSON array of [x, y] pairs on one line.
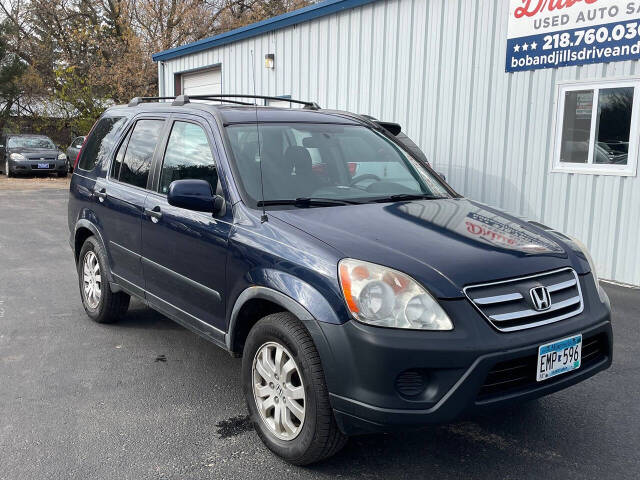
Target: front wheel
[[286, 393], [7, 171]]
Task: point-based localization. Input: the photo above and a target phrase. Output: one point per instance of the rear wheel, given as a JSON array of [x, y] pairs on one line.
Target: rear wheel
[[100, 303], [286, 393]]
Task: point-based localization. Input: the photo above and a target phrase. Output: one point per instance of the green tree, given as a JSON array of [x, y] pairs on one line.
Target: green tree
[[11, 71]]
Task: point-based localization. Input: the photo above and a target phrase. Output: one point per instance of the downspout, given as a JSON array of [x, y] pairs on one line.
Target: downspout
[[161, 85]]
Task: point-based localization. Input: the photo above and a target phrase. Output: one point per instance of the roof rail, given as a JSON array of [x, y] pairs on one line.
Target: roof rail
[[184, 99], [307, 105], [179, 100], [138, 100]]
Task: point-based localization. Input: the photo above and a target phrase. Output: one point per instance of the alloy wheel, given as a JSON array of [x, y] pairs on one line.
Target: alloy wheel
[[278, 390], [91, 280]]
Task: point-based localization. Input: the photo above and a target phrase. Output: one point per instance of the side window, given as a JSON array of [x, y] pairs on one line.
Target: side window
[[139, 152], [117, 161], [100, 141], [188, 156], [77, 143]]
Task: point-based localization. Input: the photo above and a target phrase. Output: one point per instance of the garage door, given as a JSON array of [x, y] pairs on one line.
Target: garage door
[[206, 82]]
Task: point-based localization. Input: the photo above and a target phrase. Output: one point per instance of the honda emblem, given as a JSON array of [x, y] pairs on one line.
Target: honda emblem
[[540, 298]]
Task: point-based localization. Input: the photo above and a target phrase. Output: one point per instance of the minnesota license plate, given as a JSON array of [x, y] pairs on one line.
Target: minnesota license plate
[[43, 165], [559, 357]]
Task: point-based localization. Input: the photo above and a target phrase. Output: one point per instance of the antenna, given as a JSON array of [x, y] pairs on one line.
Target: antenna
[[264, 217]]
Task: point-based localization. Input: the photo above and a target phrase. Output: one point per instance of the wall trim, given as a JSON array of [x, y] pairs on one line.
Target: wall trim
[[295, 17]]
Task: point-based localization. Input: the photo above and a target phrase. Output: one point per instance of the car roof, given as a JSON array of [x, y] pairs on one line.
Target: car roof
[[231, 114]]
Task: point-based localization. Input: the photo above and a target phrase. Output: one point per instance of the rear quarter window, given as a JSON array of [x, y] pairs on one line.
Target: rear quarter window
[[100, 142]]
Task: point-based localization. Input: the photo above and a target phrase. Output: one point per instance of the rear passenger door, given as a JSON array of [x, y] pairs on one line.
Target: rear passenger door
[[121, 198], [184, 252]]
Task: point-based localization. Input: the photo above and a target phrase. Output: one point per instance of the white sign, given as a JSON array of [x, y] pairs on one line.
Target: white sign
[[555, 33]]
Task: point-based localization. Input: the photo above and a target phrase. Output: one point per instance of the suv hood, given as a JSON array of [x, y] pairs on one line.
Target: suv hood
[[445, 244]]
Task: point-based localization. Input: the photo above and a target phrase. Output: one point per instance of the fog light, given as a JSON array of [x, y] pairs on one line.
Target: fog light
[[410, 383]]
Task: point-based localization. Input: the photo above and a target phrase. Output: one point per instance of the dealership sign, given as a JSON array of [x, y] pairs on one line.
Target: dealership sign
[[558, 33]]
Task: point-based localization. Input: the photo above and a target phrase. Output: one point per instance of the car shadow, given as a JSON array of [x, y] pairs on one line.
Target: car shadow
[[478, 446], [141, 316]]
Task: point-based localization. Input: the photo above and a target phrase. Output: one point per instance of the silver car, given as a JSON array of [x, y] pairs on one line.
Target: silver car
[[73, 150]]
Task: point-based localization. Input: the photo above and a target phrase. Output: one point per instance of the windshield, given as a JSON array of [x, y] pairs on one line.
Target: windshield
[[350, 163], [30, 142]]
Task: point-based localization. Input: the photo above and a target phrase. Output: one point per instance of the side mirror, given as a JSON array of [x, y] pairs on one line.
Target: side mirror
[[194, 195]]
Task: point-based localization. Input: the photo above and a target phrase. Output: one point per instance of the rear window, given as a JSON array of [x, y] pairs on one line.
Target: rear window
[[100, 142]]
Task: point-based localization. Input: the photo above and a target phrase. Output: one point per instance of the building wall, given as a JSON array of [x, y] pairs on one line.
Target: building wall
[[438, 68]]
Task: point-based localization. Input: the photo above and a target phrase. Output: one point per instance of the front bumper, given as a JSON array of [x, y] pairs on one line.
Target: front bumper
[[368, 390], [31, 166]]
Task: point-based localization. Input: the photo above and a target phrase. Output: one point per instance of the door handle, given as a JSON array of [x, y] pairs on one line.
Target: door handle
[[101, 194], [154, 213]]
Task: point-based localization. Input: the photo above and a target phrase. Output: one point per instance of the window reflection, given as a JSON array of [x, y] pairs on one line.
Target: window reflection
[[613, 126]]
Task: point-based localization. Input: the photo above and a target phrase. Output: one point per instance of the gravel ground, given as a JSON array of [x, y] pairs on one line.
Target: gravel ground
[[148, 399], [33, 183]]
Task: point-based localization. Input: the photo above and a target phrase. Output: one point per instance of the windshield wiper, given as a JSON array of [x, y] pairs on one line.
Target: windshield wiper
[[307, 202], [400, 197]]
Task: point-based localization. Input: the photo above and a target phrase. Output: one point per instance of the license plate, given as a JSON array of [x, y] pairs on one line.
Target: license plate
[[559, 357], [43, 165]]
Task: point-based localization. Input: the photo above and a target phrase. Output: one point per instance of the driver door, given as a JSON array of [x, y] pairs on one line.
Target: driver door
[[184, 252]]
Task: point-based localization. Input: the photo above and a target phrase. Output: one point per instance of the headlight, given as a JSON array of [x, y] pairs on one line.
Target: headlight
[[62, 156], [18, 157], [592, 266], [384, 297]]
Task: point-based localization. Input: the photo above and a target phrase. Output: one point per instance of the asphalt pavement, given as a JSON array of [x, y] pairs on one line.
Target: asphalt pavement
[[146, 398]]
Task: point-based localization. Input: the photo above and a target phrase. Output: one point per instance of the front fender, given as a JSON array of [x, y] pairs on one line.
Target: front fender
[[299, 298]]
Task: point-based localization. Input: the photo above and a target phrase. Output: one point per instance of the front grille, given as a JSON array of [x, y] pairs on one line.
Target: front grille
[[519, 374], [508, 305], [42, 160]]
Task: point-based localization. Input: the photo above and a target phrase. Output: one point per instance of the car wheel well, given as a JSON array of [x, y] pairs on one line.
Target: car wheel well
[[249, 314], [81, 236]]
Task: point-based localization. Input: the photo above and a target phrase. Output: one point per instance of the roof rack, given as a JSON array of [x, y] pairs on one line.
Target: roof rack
[[184, 99], [177, 101], [138, 100], [306, 104]]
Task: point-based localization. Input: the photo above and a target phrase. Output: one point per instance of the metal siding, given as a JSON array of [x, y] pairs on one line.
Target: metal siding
[[437, 67]]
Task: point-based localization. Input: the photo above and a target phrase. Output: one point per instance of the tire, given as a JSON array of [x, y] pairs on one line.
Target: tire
[[316, 437], [7, 170], [105, 306]]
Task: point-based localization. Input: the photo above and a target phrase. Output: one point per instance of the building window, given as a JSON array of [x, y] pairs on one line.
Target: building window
[[597, 128]]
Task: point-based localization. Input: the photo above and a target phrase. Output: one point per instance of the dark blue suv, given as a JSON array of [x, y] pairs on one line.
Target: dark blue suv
[[362, 292]]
